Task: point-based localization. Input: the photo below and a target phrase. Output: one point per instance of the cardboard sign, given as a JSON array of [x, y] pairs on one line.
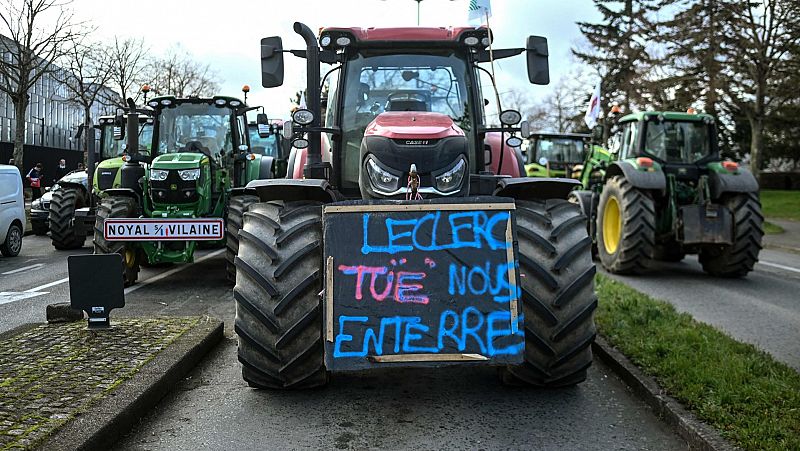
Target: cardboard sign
[[424, 284], [140, 229], [96, 286]]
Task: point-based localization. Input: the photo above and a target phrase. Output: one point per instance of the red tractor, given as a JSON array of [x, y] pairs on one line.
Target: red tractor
[[406, 232]]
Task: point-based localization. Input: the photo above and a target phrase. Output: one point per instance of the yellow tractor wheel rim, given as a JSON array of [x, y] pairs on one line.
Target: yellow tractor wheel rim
[[612, 225], [130, 257]]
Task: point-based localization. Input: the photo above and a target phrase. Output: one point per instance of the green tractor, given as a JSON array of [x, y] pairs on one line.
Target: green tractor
[[663, 191], [556, 154], [70, 212], [192, 190]]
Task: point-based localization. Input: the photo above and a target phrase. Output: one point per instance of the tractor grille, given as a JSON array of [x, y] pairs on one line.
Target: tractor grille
[[173, 190], [105, 178]]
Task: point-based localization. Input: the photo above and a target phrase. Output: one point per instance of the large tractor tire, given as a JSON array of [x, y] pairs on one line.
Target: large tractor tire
[[233, 223], [626, 229], [278, 308], [738, 259], [62, 211], [117, 207], [558, 299]]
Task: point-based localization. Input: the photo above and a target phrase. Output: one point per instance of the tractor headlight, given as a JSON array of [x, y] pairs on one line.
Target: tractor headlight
[[510, 117], [159, 175], [451, 180], [382, 180], [303, 117], [189, 174]]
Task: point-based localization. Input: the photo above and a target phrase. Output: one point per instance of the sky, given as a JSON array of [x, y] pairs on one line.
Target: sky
[[226, 34]]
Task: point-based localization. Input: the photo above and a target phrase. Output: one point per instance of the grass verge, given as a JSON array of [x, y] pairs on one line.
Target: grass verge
[[772, 229], [750, 398], [780, 204]]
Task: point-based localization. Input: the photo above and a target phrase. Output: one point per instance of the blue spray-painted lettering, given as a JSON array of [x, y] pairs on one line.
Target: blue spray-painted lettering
[[472, 229], [480, 280]]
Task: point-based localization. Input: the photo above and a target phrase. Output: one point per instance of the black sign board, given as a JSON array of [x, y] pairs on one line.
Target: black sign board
[[428, 283], [96, 286]]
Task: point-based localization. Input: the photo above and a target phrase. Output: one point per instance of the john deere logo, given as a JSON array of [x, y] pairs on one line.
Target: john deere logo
[[173, 187]]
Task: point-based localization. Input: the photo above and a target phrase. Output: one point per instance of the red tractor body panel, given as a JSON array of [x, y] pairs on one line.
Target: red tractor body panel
[[416, 125]]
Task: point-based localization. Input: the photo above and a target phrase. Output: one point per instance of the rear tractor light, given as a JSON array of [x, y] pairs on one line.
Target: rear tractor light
[[731, 166], [644, 162]]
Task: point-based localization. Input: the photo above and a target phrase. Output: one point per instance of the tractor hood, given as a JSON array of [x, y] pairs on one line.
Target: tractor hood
[[413, 125], [179, 161]]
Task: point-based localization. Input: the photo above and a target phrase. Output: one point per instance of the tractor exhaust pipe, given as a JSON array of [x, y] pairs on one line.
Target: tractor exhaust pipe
[[314, 167]]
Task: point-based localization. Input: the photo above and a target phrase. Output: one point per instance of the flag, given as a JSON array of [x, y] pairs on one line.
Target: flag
[[593, 111], [479, 10], [303, 101]]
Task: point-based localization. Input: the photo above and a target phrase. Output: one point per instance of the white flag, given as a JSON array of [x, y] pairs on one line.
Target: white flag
[[593, 111], [303, 101], [479, 10]]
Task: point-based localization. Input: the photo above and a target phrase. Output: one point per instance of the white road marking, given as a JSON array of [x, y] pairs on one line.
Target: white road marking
[[24, 268], [47, 285], [776, 265], [13, 296], [170, 272], [9, 296]]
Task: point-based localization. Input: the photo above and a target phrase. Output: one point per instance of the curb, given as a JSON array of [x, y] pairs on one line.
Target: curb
[[115, 415], [697, 434]]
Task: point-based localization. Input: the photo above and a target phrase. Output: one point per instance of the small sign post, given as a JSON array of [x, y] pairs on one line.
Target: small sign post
[[96, 286]]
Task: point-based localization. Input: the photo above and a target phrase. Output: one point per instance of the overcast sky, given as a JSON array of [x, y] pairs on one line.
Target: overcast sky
[[226, 33]]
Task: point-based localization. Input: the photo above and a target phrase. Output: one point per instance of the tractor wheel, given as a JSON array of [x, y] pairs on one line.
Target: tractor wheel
[[62, 211], [558, 299], [117, 207], [738, 259], [236, 208], [589, 209], [278, 306], [626, 219]]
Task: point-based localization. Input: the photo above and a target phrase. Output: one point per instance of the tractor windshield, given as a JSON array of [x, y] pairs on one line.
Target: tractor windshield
[[678, 142], [264, 146], [397, 82], [559, 150], [112, 148], [195, 127]]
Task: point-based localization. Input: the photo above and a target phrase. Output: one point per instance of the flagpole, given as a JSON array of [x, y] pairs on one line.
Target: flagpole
[[491, 61]]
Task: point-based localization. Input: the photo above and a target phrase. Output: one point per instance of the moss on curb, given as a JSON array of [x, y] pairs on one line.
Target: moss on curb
[[52, 373], [750, 398]]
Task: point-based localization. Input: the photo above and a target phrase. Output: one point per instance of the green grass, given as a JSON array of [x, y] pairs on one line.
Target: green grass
[[772, 229], [750, 398], [781, 204]]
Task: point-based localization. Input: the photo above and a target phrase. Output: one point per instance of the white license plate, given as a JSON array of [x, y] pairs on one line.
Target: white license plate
[[163, 229]]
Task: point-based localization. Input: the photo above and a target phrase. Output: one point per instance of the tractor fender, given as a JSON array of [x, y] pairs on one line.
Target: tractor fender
[[646, 180], [586, 200], [530, 188], [292, 190], [80, 186], [241, 191], [265, 167], [742, 181]]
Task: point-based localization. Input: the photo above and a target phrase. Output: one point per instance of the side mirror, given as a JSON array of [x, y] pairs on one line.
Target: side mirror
[[119, 127], [525, 129], [538, 67], [271, 62], [262, 123]]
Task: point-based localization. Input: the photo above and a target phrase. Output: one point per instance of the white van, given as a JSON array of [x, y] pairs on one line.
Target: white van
[[12, 211]]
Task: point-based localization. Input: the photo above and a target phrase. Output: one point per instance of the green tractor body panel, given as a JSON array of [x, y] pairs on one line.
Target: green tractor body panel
[[594, 169], [111, 177]]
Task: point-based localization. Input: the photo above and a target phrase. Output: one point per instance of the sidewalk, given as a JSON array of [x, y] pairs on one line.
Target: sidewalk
[[52, 375], [788, 240]]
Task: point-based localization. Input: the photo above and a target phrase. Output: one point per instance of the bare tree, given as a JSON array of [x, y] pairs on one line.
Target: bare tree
[[178, 74], [88, 69], [759, 45], [36, 33], [128, 63]]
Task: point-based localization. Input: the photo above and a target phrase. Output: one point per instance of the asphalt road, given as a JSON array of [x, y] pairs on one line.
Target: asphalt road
[[762, 309]]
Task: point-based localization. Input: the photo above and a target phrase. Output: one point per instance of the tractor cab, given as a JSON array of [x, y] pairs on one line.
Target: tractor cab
[[556, 155], [113, 147]]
